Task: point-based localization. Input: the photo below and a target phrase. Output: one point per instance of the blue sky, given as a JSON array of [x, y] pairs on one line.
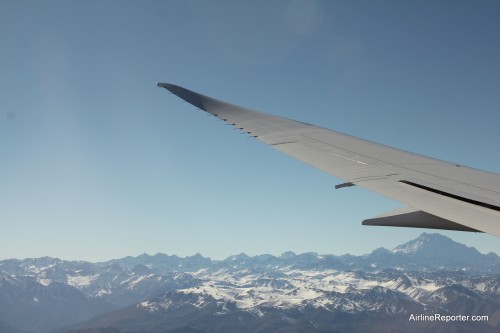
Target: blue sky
[[97, 162]]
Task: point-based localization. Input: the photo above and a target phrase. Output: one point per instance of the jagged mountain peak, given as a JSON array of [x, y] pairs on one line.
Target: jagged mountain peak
[[197, 256], [238, 257], [438, 246], [380, 251], [145, 256], [433, 243], [288, 255]]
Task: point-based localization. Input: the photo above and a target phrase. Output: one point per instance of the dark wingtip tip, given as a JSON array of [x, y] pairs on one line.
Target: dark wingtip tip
[[163, 85], [187, 95], [170, 87]]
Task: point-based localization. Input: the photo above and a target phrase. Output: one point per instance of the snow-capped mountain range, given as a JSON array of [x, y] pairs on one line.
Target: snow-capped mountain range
[[290, 293]]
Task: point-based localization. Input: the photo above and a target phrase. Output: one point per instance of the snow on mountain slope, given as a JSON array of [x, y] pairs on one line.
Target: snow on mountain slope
[[430, 273]]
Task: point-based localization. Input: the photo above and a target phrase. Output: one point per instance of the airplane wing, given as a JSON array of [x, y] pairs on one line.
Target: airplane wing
[[437, 194]]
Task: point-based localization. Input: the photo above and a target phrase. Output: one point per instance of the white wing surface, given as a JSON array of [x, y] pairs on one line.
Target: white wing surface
[[438, 194]]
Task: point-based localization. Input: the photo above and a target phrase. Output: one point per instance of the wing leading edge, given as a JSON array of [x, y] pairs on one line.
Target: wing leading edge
[[439, 194]]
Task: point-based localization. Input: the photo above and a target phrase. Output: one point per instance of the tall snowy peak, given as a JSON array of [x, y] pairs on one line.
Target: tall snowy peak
[[435, 244]]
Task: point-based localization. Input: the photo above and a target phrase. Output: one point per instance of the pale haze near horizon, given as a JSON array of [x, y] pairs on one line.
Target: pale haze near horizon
[[98, 163]]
